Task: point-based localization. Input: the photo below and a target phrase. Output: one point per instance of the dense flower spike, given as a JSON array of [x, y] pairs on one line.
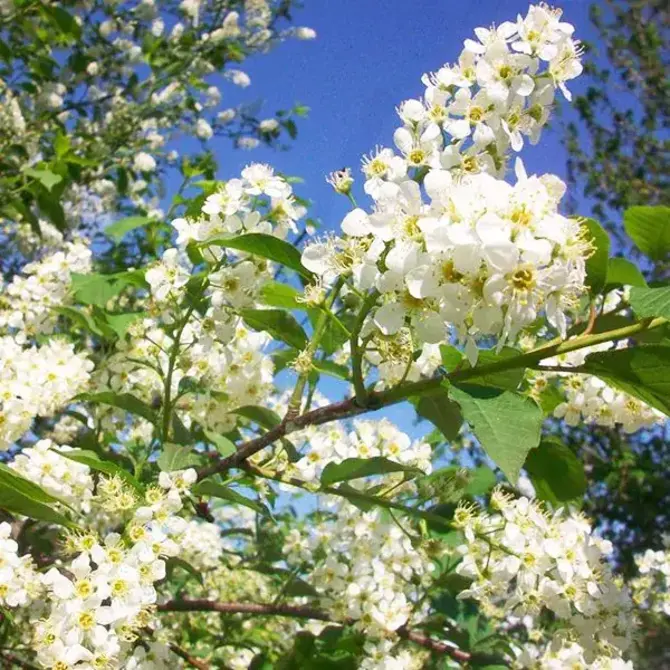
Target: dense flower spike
[[589, 399], [522, 560], [479, 259], [37, 381]]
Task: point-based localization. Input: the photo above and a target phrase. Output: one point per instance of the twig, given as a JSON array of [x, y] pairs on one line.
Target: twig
[[306, 612], [191, 660]]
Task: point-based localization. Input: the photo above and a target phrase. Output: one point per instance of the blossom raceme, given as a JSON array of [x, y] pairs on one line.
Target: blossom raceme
[[523, 560], [37, 381], [589, 399], [451, 248]]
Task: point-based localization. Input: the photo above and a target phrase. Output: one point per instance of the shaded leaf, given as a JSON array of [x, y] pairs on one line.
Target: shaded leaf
[[649, 228], [556, 473], [278, 323], [212, 489], [265, 246]]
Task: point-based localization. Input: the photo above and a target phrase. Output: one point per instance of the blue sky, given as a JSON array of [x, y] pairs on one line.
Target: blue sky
[[369, 55]]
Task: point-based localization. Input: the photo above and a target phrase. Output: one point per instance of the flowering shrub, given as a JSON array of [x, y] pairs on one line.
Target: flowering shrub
[[176, 487]]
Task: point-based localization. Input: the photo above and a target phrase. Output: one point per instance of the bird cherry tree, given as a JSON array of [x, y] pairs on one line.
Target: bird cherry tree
[[201, 467]]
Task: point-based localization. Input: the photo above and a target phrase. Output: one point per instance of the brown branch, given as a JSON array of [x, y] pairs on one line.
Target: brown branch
[[306, 612], [350, 407], [191, 660]]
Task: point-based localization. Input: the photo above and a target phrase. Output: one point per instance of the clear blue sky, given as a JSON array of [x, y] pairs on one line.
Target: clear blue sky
[[369, 55]]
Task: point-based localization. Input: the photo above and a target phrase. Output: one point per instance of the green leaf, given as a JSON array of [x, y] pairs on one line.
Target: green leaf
[[96, 463], [209, 488], [507, 380], [119, 228], [441, 411], [265, 246], [176, 457], [506, 424], [353, 468], [263, 416], [557, 474], [332, 369], [223, 445], [650, 301], [335, 333], [621, 272], [481, 481], [174, 562], [596, 265], [79, 318], [65, 21], [277, 294], [120, 323], [649, 228], [451, 357], [641, 371], [47, 178], [180, 433], [278, 323], [96, 289], [126, 401], [20, 496]]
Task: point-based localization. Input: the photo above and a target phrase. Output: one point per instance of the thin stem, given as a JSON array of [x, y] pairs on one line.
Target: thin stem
[[172, 361], [191, 660], [356, 352], [319, 330]]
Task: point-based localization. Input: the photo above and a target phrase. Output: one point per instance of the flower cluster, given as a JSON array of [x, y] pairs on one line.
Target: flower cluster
[[219, 368], [367, 439], [63, 478], [589, 399], [19, 579], [365, 568], [28, 301], [93, 606], [483, 257], [480, 256], [523, 560], [651, 589], [37, 381]]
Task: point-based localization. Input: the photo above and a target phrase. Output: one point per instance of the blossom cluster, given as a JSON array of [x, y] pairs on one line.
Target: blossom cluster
[[63, 478], [363, 565], [37, 381], [86, 612], [367, 439], [28, 301], [480, 258], [19, 579], [365, 568], [524, 560], [589, 399], [257, 202], [651, 588], [219, 369]]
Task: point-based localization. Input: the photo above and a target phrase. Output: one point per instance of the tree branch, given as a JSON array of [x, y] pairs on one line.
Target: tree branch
[[191, 660], [306, 612], [349, 408]]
